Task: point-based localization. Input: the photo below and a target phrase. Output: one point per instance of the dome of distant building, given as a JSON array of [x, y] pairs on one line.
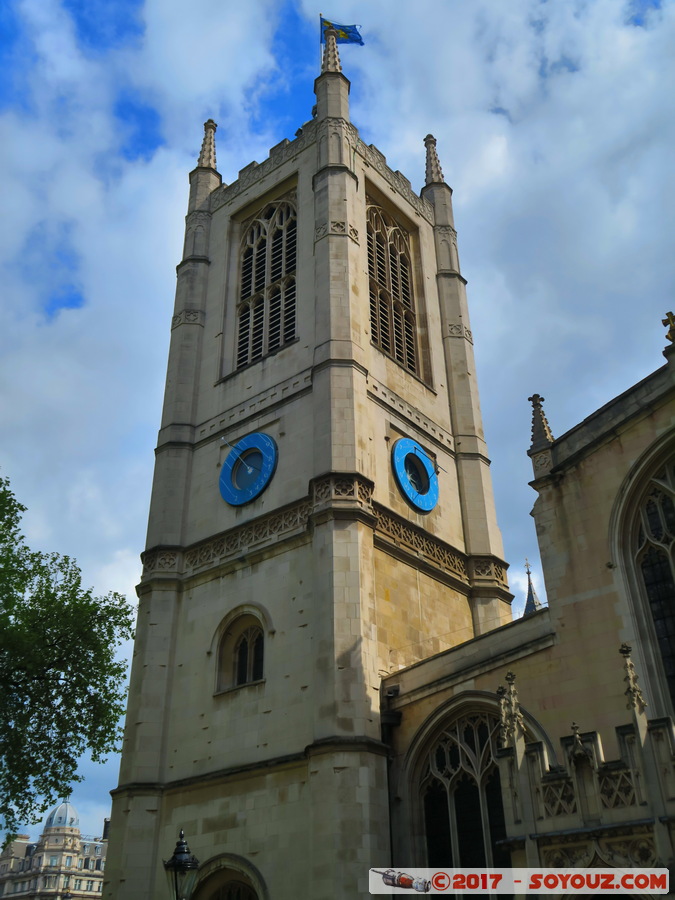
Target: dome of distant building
[[65, 815]]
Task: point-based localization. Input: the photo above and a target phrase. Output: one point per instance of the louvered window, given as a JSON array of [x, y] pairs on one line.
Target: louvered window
[[266, 309], [392, 303]]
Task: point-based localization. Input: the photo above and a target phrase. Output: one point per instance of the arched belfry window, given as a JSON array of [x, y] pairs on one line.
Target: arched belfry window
[[241, 653], [393, 325], [654, 549], [267, 286], [461, 795]]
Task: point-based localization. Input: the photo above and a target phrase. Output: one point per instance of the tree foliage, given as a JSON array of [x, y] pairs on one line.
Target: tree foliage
[[62, 690]]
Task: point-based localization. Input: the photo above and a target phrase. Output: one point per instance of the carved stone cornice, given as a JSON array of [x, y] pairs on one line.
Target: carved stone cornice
[[347, 495], [484, 570], [337, 488], [334, 227], [399, 532]]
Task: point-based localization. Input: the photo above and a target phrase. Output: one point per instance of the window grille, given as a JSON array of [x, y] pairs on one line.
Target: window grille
[[267, 285], [655, 558], [392, 304]]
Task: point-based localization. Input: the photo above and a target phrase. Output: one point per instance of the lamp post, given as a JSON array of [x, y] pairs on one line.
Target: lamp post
[[181, 870]]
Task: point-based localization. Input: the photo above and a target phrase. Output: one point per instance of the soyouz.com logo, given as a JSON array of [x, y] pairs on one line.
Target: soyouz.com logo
[[518, 881]]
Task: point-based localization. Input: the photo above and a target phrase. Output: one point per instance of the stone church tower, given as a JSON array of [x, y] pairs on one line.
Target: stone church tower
[[322, 515]]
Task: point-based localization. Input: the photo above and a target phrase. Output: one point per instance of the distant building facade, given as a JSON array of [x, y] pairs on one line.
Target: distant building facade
[[62, 862]]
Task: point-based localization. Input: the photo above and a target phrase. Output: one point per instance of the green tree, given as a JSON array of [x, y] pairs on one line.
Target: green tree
[[61, 689]]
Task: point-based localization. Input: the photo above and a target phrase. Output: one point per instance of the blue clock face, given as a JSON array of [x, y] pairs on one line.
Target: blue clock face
[[248, 469], [415, 474]]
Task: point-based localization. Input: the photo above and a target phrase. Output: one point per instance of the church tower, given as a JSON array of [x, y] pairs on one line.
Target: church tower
[[322, 515]]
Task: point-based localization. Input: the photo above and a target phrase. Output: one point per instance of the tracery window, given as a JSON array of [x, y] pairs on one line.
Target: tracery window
[[655, 559], [267, 286], [393, 326], [461, 795], [241, 653]]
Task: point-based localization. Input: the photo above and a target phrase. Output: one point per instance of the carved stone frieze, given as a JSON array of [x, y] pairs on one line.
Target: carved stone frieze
[[160, 560], [336, 227], [617, 789], [329, 490], [460, 331], [198, 217], [188, 317], [447, 231], [578, 856], [332, 488], [558, 798], [403, 533], [485, 568], [542, 463], [629, 851]]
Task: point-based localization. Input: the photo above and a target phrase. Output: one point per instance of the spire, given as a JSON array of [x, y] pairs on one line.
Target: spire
[[207, 156], [331, 57], [434, 172], [532, 604], [541, 433]]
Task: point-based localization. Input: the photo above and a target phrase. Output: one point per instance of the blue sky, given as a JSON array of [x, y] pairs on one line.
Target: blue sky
[[555, 129]]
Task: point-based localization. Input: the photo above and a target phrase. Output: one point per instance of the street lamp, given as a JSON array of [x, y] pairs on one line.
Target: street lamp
[[181, 870]]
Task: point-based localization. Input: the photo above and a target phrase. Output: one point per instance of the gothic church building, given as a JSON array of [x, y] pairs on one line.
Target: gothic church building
[[326, 674]]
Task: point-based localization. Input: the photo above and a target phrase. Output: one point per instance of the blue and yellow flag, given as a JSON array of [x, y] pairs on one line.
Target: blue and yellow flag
[[346, 34]]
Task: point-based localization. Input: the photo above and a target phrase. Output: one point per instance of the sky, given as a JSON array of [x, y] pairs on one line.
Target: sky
[[555, 126]]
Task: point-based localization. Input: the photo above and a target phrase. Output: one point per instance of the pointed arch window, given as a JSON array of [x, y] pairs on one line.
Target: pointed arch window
[[461, 795], [393, 317], [655, 561], [241, 654], [266, 312]]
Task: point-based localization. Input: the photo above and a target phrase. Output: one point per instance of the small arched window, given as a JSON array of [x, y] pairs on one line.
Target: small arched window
[[266, 308], [461, 795], [241, 653], [393, 320], [654, 553]]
